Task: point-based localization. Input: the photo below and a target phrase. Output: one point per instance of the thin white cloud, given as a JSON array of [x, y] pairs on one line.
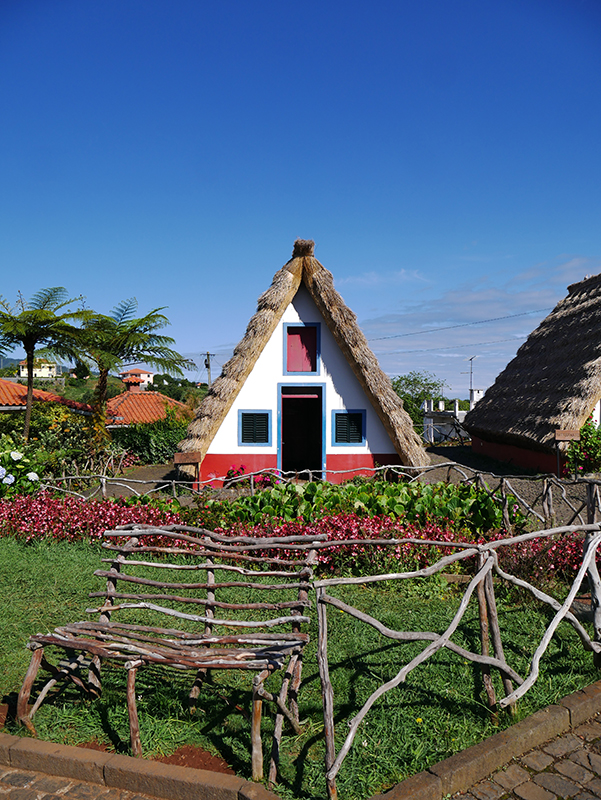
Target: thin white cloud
[[376, 279], [492, 302]]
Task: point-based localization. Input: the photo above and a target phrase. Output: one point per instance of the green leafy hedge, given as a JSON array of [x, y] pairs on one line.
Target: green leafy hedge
[[152, 442], [463, 506]]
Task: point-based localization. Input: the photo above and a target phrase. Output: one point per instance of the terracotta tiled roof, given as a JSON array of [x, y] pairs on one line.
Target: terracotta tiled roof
[[136, 371], [15, 394], [133, 407]]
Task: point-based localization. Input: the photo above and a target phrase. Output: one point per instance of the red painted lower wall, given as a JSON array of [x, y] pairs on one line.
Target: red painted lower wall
[[339, 468], [216, 465], [520, 456]]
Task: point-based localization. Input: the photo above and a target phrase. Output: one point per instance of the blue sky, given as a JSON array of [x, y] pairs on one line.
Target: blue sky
[[444, 156]]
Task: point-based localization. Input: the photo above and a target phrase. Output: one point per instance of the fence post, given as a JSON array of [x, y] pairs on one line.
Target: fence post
[[548, 510], [506, 519], [484, 637], [594, 581]]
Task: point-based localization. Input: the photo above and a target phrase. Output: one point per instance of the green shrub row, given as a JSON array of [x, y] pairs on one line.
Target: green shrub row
[[465, 507], [152, 442]]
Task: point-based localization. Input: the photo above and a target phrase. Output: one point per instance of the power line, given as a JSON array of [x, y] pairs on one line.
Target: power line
[[452, 347], [461, 325]]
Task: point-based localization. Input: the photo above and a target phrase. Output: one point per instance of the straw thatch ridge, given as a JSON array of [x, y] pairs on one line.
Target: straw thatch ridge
[[554, 381], [342, 323]]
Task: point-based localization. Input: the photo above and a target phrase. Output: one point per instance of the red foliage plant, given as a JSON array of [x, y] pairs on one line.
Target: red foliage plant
[[42, 516]]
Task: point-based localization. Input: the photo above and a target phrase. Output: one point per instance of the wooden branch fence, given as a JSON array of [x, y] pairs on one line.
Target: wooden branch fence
[[480, 587], [550, 501]]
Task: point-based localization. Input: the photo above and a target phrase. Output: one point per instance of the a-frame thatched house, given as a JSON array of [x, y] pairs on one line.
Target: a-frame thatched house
[[303, 393], [553, 383]]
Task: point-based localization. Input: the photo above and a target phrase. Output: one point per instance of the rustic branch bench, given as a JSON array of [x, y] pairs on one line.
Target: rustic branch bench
[[253, 599]]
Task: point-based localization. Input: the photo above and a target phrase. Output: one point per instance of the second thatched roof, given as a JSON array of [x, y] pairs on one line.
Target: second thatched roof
[[342, 323], [554, 381]]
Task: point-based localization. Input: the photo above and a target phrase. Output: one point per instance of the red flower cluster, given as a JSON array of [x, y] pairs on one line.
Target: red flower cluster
[[41, 516]]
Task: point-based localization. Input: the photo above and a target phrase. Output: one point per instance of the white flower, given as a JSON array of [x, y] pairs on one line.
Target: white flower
[[9, 479], [16, 456], [33, 476], [2, 472]]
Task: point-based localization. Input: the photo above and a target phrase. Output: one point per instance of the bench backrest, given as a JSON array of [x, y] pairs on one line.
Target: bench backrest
[[204, 582]]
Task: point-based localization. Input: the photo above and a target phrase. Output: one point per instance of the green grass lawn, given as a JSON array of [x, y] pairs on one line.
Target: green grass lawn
[[438, 711]]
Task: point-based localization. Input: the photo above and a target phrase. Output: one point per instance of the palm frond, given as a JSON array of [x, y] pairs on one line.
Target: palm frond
[[52, 298], [124, 311]]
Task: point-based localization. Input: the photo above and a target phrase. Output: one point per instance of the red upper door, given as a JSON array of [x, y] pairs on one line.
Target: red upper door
[[301, 348]]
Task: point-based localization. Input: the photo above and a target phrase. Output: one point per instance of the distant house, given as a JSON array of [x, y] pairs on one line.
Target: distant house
[[13, 397], [553, 383], [144, 376], [41, 369], [135, 406], [303, 392]]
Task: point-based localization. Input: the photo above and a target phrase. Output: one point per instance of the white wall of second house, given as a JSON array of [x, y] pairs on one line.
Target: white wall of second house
[[260, 390]]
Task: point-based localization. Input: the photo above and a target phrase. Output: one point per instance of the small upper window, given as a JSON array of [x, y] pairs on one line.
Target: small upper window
[[349, 427], [254, 427], [301, 348]]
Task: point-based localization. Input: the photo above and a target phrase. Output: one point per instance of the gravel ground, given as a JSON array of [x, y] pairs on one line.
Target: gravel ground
[[523, 483]]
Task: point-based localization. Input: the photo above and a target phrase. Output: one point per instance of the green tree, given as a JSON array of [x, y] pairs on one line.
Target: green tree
[[413, 389], [112, 341], [42, 322], [178, 388]]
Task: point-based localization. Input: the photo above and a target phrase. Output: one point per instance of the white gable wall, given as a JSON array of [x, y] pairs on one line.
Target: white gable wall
[[342, 389]]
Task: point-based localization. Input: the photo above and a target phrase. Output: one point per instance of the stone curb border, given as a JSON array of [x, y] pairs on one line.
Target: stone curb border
[[461, 771], [123, 772], [455, 774]]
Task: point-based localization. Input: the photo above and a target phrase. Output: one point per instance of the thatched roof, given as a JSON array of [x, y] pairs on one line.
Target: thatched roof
[[554, 381], [304, 268]]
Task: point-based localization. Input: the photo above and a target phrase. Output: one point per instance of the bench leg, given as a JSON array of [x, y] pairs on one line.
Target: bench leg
[[257, 749], [34, 665], [94, 684], [132, 710], [279, 722], [201, 676], [295, 686]]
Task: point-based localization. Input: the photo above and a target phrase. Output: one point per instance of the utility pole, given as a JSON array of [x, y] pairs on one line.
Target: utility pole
[[471, 360], [208, 366]]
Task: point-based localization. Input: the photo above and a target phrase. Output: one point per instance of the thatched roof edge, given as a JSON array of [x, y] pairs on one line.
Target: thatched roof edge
[[343, 326], [554, 381]]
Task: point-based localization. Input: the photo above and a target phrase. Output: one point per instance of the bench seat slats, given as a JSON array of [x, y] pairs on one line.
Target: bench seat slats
[[250, 658], [76, 627]]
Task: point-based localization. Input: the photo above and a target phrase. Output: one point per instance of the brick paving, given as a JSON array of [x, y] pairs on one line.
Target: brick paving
[[566, 767], [19, 784]]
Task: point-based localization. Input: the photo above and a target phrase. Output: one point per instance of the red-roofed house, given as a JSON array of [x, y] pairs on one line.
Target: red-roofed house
[[13, 397], [143, 374], [135, 406]]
